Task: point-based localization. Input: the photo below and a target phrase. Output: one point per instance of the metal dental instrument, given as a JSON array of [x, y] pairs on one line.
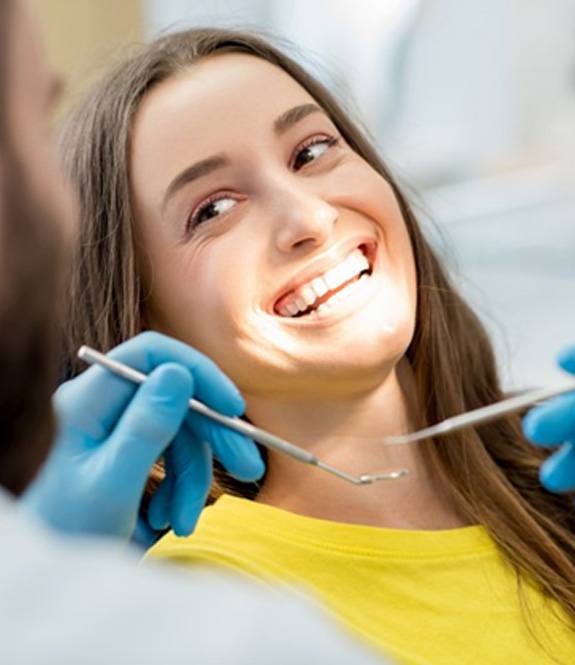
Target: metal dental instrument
[[91, 356], [484, 414]]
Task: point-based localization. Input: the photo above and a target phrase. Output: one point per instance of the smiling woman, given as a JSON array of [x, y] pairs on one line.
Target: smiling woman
[[229, 201]]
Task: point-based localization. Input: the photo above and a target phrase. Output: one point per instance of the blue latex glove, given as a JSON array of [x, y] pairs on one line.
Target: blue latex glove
[[112, 431], [553, 424]]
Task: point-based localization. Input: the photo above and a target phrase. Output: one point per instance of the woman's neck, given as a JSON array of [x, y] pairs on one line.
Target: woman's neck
[[348, 435]]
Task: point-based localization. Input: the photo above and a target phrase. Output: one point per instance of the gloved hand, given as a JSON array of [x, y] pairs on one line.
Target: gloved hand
[[111, 432], [553, 424]]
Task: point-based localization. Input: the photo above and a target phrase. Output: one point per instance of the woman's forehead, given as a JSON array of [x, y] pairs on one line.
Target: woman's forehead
[[222, 104], [218, 92]]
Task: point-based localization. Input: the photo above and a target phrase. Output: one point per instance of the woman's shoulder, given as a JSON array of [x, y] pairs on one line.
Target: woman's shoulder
[[229, 533]]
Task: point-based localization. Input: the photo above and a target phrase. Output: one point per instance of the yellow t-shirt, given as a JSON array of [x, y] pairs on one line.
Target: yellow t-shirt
[[434, 597]]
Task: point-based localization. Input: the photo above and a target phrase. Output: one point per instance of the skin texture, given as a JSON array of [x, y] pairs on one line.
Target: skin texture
[[337, 387]]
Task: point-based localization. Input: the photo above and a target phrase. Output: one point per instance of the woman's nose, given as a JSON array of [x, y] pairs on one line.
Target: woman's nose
[[301, 219]]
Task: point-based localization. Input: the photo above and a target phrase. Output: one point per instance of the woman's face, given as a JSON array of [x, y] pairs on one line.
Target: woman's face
[[267, 243]]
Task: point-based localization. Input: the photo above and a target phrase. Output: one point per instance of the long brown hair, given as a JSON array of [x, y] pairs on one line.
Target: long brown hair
[[29, 293], [492, 471]]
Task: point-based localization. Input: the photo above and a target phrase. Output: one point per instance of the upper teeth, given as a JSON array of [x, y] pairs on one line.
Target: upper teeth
[[307, 294]]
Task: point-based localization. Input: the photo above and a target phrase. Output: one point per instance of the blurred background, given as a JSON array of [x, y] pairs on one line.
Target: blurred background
[[471, 102]]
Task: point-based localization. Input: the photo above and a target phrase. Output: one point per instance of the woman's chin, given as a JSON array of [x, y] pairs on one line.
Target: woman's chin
[[321, 375]]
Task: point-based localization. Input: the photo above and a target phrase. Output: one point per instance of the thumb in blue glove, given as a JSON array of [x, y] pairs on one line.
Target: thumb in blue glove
[[112, 432], [553, 424]]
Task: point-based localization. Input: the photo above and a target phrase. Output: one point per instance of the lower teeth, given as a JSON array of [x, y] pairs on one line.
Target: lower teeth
[[335, 299]]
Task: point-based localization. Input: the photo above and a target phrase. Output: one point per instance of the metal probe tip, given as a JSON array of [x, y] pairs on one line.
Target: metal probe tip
[[91, 356], [369, 478]]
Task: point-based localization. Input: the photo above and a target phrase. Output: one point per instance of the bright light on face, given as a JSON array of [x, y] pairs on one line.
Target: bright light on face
[[272, 246]]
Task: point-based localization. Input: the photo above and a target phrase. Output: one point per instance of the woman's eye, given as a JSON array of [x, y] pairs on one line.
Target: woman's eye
[[312, 151], [211, 209]]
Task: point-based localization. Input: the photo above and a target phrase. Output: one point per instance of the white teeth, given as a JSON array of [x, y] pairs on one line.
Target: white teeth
[[342, 295], [344, 271], [319, 286], [362, 262], [308, 294], [334, 277], [292, 309], [349, 290], [301, 303]]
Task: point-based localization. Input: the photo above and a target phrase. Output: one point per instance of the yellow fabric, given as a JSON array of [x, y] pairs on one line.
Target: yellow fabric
[[434, 597]]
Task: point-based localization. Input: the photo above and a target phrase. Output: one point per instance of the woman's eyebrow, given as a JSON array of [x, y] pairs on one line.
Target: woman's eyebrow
[[288, 119], [193, 172], [206, 166]]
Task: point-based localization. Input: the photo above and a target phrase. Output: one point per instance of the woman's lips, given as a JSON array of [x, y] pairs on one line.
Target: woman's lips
[[311, 293], [348, 301], [320, 290]]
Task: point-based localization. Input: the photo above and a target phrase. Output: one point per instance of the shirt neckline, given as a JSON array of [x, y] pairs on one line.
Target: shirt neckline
[[353, 538]]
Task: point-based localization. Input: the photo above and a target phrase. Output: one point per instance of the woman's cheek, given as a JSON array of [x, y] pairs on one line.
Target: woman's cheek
[[367, 191]]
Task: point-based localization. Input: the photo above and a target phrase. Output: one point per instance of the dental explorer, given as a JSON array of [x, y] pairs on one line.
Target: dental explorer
[[485, 414], [91, 356]]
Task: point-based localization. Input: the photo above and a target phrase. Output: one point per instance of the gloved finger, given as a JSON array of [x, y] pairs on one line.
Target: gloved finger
[[149, 423], [557, 473], [98, 397], [566, 359], [551, 423], [191, 466], [91, 403], [144, 535], [159, 508], [239, 454]]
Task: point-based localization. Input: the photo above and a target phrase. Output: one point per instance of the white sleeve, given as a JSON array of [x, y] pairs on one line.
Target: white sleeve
[[66, 602]]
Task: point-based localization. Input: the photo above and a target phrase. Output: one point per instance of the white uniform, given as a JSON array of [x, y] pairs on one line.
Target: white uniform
[[65, 601]]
